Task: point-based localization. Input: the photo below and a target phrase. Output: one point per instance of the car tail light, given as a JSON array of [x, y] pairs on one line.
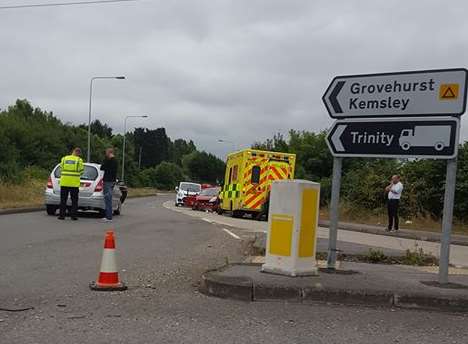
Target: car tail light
[[99, 186], [49, 183]]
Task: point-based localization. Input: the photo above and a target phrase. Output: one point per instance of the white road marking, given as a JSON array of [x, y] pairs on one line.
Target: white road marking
[[232, 234], [206, 220]]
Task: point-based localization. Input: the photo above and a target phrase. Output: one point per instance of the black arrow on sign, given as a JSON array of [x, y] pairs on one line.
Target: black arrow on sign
[[333, 101]]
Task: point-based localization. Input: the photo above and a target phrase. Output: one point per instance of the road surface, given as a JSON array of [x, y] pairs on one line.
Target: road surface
[[47, 264]]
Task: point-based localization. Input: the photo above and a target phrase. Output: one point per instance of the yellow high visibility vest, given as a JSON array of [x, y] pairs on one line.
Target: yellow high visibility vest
[[71, 170]]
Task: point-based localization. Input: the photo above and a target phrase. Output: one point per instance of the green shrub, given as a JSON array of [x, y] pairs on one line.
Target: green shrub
[[167, 175], [419, 258], [376, 256]]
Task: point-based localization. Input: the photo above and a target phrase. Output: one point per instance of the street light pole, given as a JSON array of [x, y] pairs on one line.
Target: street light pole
[[88, 159], [124, 140]]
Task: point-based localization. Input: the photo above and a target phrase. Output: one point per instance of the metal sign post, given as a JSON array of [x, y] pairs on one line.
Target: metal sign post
[[447, 217], [334, 212]]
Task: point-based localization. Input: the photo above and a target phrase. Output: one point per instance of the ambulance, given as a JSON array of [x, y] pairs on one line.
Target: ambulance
[[248, 178]]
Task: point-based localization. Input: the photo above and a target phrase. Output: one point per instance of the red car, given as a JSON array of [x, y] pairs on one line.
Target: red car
[[189, 201], [207, 200]]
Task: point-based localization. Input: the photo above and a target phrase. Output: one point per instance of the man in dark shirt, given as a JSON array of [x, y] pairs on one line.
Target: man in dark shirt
[[109, 166]]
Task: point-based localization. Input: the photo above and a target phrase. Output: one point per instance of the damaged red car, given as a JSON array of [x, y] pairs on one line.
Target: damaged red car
[[207, 200]]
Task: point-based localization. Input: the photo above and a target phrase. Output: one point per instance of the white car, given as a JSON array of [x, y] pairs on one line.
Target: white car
[[91, 196], [186, 189]]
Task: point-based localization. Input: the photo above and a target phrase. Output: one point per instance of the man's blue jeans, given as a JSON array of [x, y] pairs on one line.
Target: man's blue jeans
[[108, 187]]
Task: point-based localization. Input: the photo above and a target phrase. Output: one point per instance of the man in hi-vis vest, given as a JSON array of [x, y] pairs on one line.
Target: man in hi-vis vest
[[71, 170]]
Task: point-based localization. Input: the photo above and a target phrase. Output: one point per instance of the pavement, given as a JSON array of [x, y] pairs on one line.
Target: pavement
[[353, 283], [47, 264], [349, 241]]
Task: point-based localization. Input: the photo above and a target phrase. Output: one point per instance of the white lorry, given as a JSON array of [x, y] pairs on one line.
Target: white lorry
[[437, 136]]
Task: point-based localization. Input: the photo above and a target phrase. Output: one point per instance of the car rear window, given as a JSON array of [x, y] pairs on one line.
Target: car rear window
[[190, 187], [90, 173], [210, 192]]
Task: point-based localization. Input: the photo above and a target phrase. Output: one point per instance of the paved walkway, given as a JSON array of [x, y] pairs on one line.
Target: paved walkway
[[357, 283], [458, 253]]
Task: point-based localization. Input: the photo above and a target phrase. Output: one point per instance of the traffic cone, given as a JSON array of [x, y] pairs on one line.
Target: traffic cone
[[108, 279]]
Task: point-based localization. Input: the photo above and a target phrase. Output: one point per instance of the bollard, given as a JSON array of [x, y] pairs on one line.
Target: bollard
[[292, 228]]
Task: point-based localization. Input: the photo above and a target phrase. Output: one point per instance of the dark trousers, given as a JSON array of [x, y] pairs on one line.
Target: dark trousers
[[64, 191], [393, 213]]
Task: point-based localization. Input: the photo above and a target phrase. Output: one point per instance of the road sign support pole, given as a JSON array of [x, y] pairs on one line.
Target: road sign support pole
[[334, 212], [447, 218]]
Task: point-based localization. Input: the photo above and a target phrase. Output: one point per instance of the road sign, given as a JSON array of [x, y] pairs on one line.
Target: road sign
[[418, 93], [435, 138]]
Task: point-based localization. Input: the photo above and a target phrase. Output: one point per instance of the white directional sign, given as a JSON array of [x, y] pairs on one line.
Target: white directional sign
[[419, 93], [395, 138]]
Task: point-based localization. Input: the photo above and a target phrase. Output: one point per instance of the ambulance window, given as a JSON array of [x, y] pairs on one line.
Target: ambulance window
[[234, 173], [255, 175], [230, 175]]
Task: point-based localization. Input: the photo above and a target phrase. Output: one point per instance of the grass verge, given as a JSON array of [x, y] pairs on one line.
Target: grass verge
[[31, 194], [22, 196]]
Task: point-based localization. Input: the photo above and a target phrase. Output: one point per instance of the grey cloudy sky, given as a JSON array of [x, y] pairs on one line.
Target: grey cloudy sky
[[205, 70]]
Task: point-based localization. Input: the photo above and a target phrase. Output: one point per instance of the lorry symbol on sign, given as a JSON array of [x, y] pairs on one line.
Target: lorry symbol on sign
[[425, 136]]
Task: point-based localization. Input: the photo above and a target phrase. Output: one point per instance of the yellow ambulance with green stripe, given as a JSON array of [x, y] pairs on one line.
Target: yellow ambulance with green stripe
[[248, 178]]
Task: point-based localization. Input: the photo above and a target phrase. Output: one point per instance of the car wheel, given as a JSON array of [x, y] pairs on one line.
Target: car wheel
[[51, 209]]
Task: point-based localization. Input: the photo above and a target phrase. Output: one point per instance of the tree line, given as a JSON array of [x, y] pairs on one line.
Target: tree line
[[32, 141]]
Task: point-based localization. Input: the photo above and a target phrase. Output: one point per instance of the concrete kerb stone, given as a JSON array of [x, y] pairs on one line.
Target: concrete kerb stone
[[226, 287], [245, 289], [428, 302], [343, 296], [11, 211]]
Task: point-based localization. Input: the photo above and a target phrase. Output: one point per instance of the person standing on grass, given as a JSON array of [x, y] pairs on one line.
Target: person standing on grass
[[71, 169], [109, 166], [394, 191]]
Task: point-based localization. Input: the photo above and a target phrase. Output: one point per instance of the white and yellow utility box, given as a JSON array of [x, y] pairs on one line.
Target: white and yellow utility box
[[292, 228]]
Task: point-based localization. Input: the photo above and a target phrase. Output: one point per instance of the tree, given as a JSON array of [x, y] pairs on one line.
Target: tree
[[179, 148], [204, 167], [155, 146], [168, 175], [99, 129]]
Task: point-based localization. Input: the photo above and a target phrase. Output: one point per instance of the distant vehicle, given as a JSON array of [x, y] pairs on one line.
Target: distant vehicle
[[248, 178], [426, 136], [208, 199], [91, 196], [187, 190]]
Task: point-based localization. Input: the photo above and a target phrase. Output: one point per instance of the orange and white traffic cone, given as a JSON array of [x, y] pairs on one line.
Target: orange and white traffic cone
[[108, 279]]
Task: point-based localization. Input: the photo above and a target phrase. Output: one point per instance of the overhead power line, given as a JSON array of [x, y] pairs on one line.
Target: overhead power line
[[91, 2]]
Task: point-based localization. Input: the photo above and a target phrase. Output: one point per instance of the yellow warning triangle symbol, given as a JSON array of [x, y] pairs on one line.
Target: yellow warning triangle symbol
[[448, 93]]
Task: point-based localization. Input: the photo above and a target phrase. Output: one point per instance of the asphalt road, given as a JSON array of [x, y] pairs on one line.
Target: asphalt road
[[47, 264]]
